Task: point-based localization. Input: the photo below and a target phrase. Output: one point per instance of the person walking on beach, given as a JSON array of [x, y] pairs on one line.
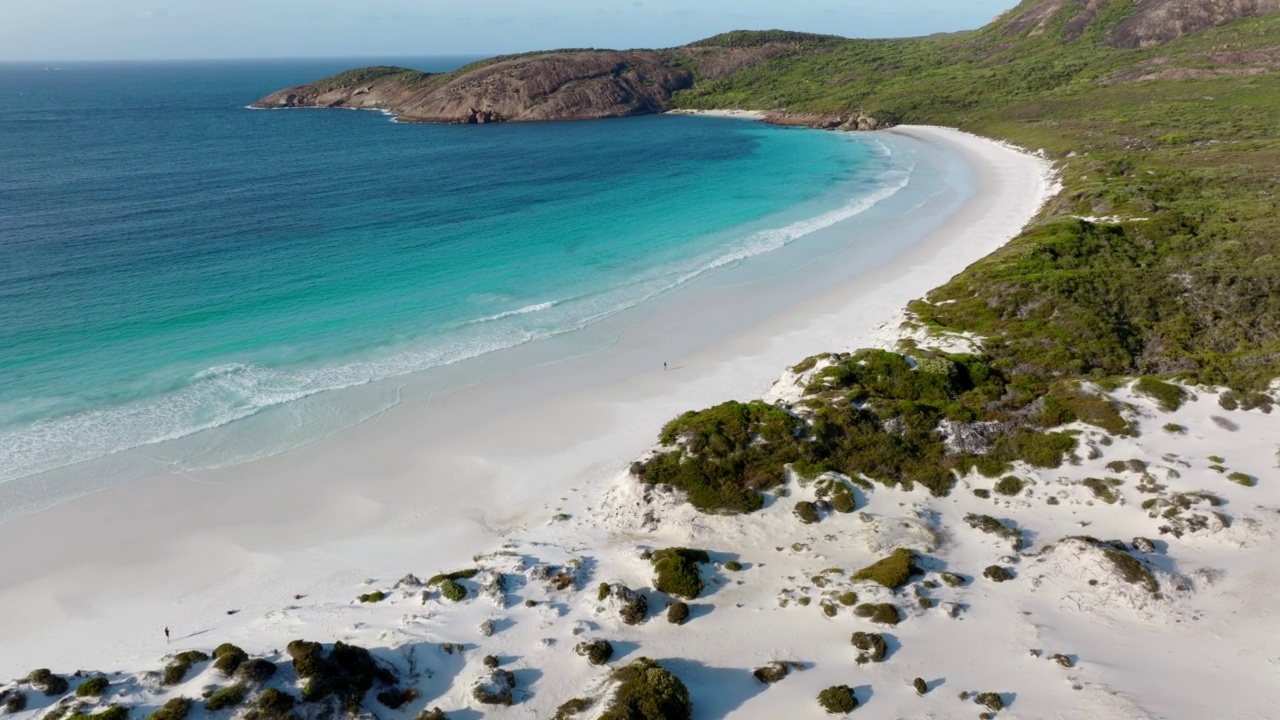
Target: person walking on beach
[[166, 636]]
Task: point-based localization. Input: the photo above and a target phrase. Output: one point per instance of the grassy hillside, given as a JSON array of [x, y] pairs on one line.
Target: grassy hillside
[[1184, 135]]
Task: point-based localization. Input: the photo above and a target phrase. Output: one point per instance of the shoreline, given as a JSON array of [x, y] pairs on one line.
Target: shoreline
[[271, 530]]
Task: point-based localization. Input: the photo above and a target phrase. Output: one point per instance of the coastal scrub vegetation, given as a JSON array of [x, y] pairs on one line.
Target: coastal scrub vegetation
[[871, 414], [648, 692], [676, 571], [892, 572], [176, 671], [227, 658], [882, 613], [226, 697], [113, 712], [1175, 140], [345, 672], [47, 682], [838, 700], [173, 709], [93, 687]]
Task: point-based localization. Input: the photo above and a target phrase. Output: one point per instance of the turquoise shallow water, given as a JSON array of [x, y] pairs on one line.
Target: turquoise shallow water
[[173, 262]]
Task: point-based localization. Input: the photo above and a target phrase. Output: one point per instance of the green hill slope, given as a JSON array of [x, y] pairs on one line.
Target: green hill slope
[[1184, 134]]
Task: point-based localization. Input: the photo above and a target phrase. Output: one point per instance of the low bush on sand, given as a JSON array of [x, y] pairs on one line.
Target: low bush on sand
[[174, 709], [597, 652], [48, 683], [228, 657], [176, 671], [676, 571], [882, 613], [838, 700], [93, 687], [892, 572], [648, 692], [227, 697]]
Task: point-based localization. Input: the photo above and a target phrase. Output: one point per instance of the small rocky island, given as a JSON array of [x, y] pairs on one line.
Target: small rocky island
[[561, 85]]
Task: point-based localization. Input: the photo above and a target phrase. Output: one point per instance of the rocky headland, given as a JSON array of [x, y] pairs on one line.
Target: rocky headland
[[564, 84]]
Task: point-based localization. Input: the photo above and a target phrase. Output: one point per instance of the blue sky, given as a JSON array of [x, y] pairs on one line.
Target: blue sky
[[170, 29]]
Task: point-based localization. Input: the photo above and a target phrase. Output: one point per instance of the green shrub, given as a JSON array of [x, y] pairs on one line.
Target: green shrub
[[93, 687], [892, 572], [1168, 396], [255, 670], [434, 713], [114, 712], [838, 700], [997, 573], [992, 526], [774, 672], [982, 493], [920, 685], [176, 671], [1010, 485], [15, 701], [733, 566], [807, 512], [453, 590], [1242, 479], [648, 692], [847, 598], [575, 706], [603, 593], [491, 661], [455, 575], [273, 703], [173, 709], [227, 697], [872, 647], [1130, 569], [308, 658], [677, 613], [635, 608], [726, 455], [1175, 428], [992, 701], [1103, 490], [676, 571], [396, 698], [376, 596], [346, 672], [597, 652], [48, 683], [228, 657], [1067, 401], [843, 502], [952, 579], [882, 613]]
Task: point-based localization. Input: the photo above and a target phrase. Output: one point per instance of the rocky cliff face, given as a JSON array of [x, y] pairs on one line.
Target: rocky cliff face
[[552, 86], [1144, 22], [1159, 21]]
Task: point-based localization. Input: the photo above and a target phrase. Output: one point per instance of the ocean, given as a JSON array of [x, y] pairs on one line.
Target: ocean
[[173, 263]]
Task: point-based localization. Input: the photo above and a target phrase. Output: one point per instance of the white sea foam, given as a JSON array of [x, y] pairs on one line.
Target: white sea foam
[[522, 311]]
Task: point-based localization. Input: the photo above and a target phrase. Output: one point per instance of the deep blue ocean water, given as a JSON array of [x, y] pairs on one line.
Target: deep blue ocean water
[[171, 261]]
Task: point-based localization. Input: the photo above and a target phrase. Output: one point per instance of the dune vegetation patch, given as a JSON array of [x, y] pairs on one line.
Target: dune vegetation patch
[[892, 572], [1005, 530], [871, 414], [676, 571], [647, 691]]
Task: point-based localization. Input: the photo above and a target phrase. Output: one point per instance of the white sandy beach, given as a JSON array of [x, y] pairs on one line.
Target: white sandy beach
[[220, 555]]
